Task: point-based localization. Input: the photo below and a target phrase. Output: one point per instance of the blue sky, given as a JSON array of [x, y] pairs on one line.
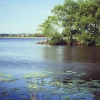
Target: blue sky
[[24, 16]]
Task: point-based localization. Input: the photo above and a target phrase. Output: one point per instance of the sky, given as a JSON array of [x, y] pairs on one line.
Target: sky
[[24, 16]]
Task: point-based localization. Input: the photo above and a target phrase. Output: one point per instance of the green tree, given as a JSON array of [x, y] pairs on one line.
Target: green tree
[[81, 17], [87, 19], [47, 27], [66, 15]]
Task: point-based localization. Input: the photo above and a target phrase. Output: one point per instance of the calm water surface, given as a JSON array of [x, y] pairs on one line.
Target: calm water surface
[[20, 56]]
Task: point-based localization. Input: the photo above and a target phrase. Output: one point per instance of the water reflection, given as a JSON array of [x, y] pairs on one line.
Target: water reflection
[[76, 58], [81, 54], [52, 53], [72, 53]]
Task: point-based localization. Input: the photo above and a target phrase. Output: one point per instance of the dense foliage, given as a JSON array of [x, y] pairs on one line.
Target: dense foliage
[[57, 39], [78, 20]]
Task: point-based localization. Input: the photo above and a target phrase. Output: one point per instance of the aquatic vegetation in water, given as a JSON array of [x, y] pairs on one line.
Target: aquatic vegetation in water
[[48, 86], [7, 78]]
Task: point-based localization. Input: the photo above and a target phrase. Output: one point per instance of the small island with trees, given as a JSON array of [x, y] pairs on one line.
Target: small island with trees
[[73, 22]]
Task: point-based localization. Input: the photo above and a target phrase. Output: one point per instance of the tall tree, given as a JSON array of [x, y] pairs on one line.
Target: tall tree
[[66, 14], [48, 27], [81, 16]]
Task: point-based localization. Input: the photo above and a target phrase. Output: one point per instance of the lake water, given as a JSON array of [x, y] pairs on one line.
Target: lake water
[[75, 68]]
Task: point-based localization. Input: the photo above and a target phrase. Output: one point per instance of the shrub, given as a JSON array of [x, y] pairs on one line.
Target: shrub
[[86, 38], [97, 40], [57, 39], [70, 41]]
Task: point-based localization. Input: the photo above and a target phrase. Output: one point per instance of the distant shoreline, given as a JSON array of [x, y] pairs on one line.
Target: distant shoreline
[[22, 37]]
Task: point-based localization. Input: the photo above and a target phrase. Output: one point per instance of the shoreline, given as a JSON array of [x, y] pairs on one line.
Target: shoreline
[[22, 37], [76, 43]]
